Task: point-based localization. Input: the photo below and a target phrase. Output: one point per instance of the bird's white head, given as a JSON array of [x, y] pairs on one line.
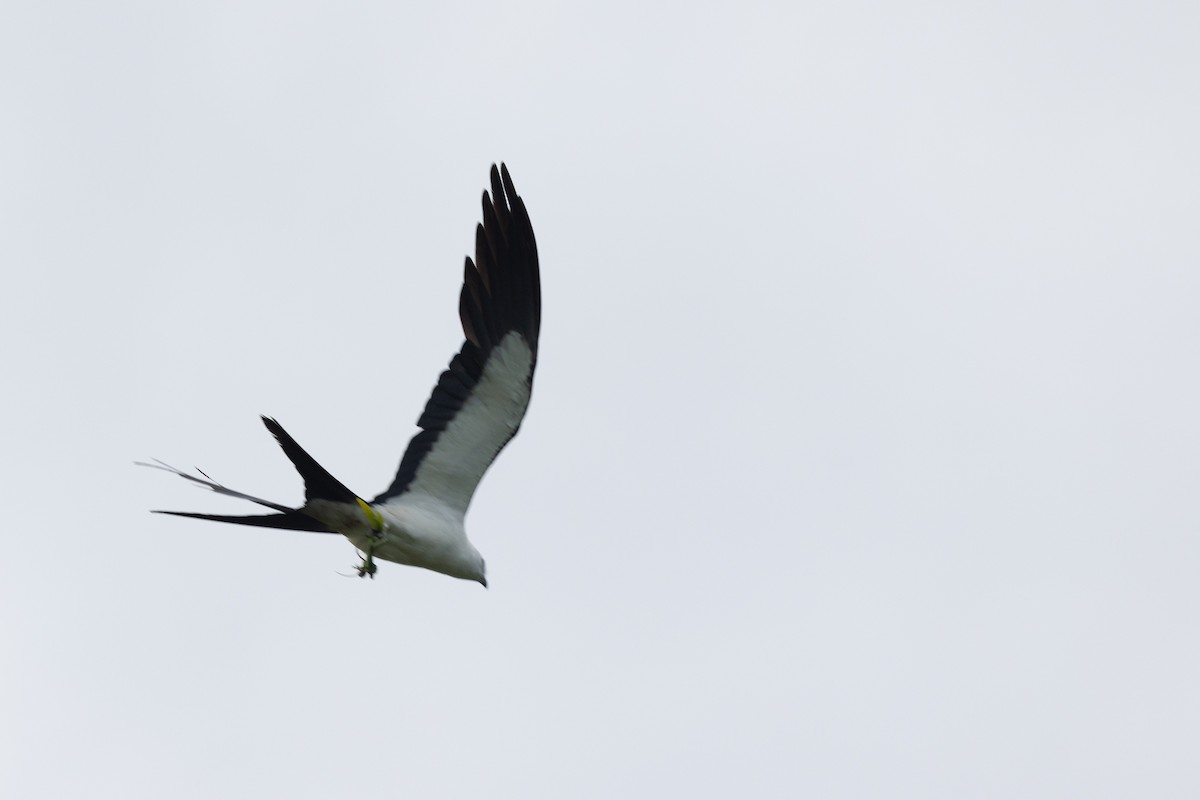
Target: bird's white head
[[482, 576], [467, 564]]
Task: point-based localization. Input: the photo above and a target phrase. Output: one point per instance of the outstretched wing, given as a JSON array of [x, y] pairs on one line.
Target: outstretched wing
[[480, 400]]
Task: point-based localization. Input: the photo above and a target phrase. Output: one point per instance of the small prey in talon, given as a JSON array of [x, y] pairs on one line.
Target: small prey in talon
[[476, 407], [368, 557]]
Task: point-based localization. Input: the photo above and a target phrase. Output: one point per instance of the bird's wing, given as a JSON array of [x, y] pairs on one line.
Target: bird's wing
[[479, 401]]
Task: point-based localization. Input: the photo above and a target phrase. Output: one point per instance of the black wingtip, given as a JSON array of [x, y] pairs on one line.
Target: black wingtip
[[501, 294], [318, 483]]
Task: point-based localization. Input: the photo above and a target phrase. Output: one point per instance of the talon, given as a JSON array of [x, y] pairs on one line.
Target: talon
[[368, 562]]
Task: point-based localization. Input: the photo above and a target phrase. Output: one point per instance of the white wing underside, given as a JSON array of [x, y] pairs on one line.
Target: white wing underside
[[450, 471]]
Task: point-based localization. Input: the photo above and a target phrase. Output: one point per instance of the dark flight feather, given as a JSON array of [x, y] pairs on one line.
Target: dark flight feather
[[501, 293]]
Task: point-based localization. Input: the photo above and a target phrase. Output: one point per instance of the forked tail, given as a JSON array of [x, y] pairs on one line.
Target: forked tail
[[318, 485]]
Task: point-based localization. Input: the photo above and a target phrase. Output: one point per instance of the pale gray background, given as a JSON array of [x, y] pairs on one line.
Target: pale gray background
[[864, 448]]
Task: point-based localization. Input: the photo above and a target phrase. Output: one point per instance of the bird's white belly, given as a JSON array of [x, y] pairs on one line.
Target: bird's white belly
[[401, 549], [431, 538]]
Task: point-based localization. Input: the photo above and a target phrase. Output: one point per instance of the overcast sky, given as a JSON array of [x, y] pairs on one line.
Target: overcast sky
[[864, 445]]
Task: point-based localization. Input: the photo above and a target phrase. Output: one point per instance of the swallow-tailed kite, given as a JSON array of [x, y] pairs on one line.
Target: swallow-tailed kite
[[476, 407]]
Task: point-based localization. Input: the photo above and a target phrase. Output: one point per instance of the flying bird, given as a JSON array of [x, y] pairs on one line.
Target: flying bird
[[475, 409]]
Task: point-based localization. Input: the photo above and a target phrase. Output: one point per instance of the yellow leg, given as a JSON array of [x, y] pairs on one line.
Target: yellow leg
[[376, 523]]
